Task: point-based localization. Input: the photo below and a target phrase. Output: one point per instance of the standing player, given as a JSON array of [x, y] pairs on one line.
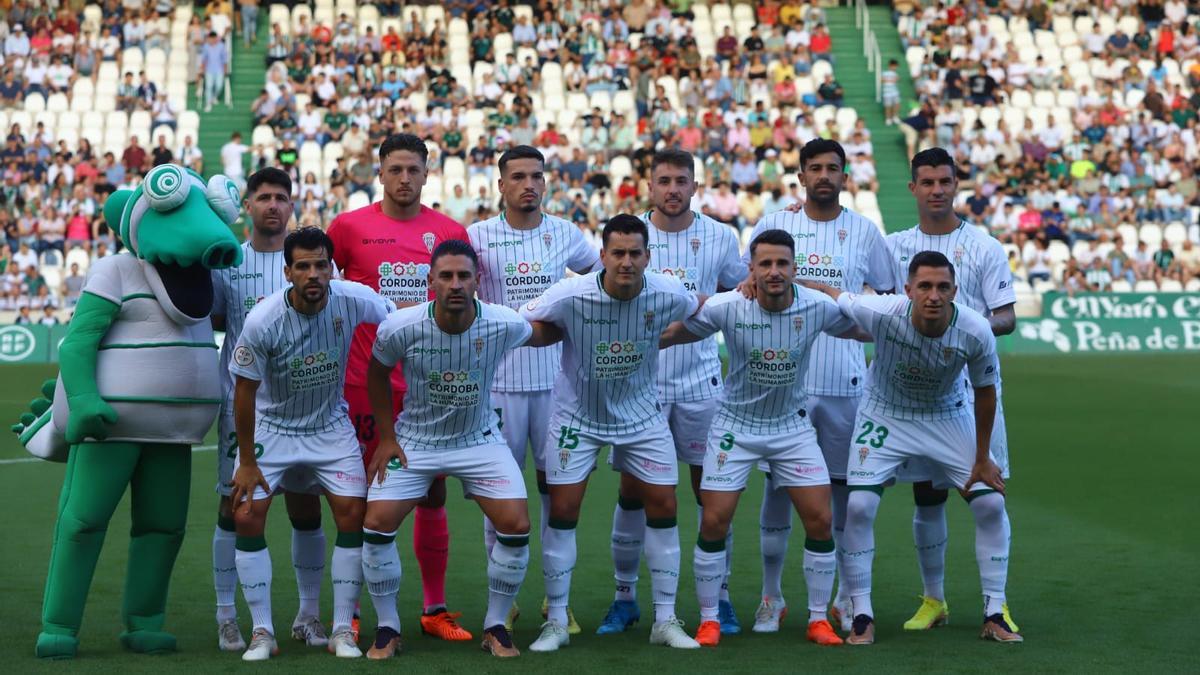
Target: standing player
[[841, 248], [985, 285], [289, 370], [918, 406], [387, 246], [703, 254], [611, 321], [521, 253], [236, 291], [451, 349], [763, 417]]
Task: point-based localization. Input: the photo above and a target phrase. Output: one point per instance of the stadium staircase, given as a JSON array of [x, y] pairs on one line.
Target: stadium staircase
[[891, 160], [246, 81]]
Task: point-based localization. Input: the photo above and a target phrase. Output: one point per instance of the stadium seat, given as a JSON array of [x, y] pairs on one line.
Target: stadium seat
[[1122, 286], [1170, 286], [1175, 234], [619, 168], [1145, 286], [1192, 285], [1129, 233], [1021, 99], [1151, 234], [77, 256]]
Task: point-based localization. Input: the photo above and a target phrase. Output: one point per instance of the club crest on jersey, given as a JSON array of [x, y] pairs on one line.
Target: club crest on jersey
[[649, 316], [958, 255], [478, 346], [797, 322], [862, 454], [547, 238], [429, 240], [337, 325], [948, 352], [695, 243], [564, 458], [841, 236]]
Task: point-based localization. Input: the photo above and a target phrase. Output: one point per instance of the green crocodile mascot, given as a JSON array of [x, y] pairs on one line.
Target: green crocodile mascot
[[137, 387]]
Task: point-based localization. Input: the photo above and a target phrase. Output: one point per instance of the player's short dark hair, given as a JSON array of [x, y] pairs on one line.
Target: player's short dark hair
[[407, 143], [269, 176], [821, 146], [308, 238], [933, 157], [929, 259], [625, 224], [775, 238], [520, 152], [673, 157], [454, 247]]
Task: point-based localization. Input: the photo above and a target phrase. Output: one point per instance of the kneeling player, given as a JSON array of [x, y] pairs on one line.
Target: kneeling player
[[917, 406], [762, 418], [450, 348], [289, 366]]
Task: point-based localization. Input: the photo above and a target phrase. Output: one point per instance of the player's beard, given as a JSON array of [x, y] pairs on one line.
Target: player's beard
[[825, 202], [677, 211]]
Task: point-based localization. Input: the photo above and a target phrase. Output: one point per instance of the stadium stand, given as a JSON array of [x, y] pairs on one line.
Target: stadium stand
[[1074, 125]]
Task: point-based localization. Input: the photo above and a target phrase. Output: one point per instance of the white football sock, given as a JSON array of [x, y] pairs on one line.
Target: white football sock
[[489, 535], [254, 573], [662, 557], [860, 547], [225, 576], [841, 492], [628, 533], [308, 559], [819, 568], [992, 537], [382, 572], [930, 535], [507, 565], [775, 526], [346, 570], [709, 569], [558, 562]]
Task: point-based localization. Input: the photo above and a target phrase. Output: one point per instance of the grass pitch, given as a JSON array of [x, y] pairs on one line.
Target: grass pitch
[[1104, 573]]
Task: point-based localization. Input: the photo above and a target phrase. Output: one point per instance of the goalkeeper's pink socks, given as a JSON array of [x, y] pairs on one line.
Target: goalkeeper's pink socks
[[431, 544]]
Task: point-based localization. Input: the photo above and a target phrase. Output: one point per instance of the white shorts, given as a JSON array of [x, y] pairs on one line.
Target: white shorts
[[689, 422], [919, 470], [524, 416], [833, 418], [794, 459], [298, 481], [331, 460], [890, 98], [648, 455], [486, 470], [882, 445]]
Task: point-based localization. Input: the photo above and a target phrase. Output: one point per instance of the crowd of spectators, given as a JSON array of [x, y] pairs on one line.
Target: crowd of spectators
[[744, 111], [1069, 148]]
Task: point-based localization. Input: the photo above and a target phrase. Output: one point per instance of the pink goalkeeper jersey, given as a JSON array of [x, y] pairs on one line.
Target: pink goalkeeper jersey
[[392, 257]]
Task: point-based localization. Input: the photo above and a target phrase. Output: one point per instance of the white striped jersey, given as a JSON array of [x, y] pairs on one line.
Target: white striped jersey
[[916, 377], [981, 269], [608, 381], [448, 402], [847, 253], [236, 291], [768, 356], [300, 359], [704, 257], [516, 267]]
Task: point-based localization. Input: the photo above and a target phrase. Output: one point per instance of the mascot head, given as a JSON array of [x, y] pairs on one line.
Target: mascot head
[[173, 219]]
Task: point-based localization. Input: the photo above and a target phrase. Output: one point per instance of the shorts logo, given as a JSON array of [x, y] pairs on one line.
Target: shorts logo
[[394, 464], [797, 322], [649, 316], [429, 240], [243, 356], [862, 454], [722, 457], [547, 238], [809, 470], [841, 236], [695, 244], [655, 467], [350, 478], [564, 458]]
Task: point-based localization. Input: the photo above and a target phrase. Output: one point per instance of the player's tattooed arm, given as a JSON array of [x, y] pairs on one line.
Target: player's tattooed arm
[[984, 469], [248, 476], [1003, 320], [544, 334], [677, 334], [379, 392]]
